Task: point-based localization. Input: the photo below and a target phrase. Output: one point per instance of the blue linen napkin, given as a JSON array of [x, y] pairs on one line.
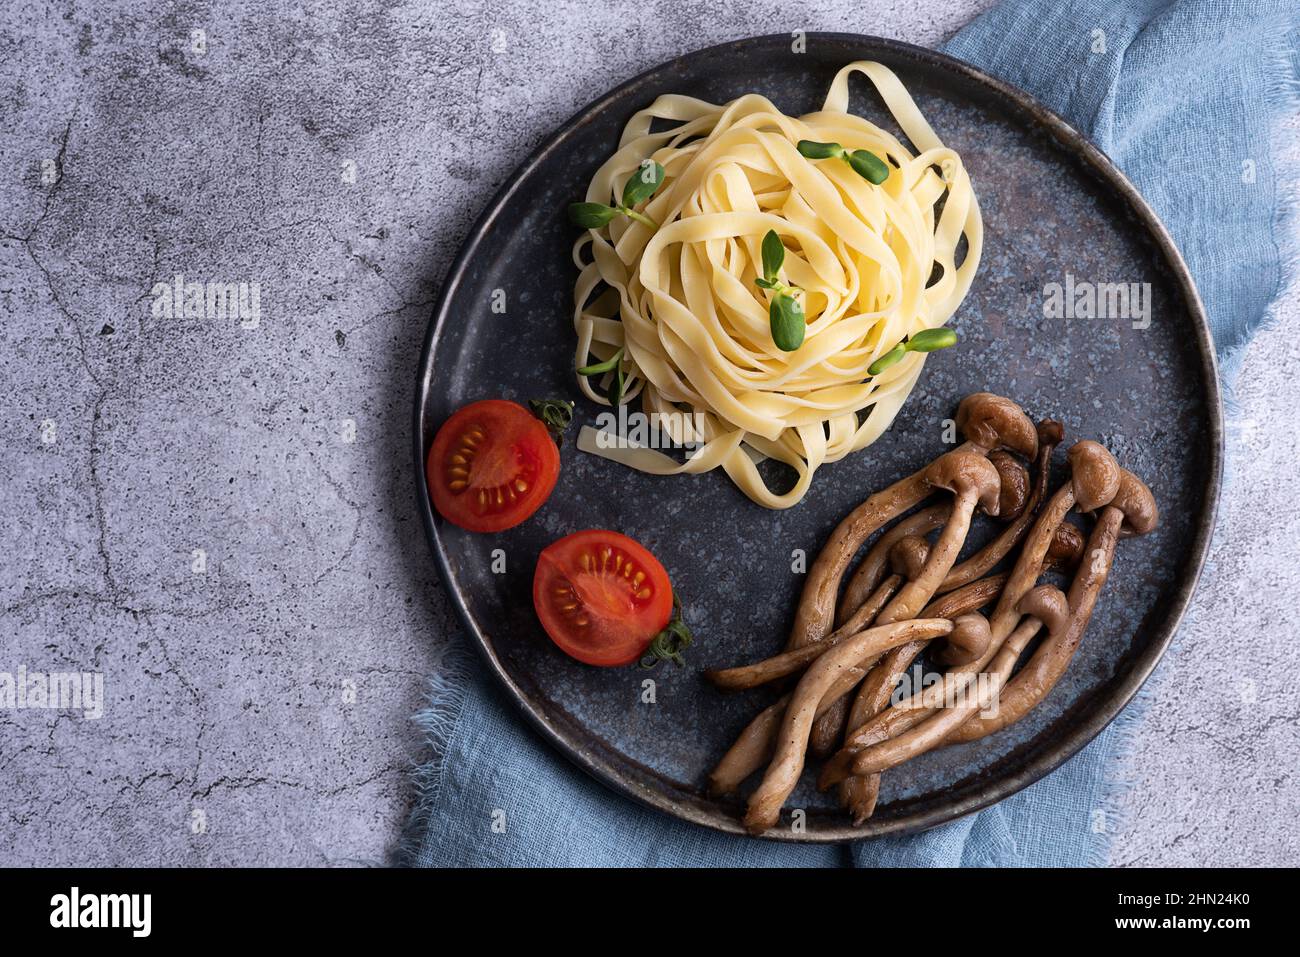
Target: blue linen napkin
[[1187, 98]]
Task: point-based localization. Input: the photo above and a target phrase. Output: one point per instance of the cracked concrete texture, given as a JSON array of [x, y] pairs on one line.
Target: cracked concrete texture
[[336, 155]]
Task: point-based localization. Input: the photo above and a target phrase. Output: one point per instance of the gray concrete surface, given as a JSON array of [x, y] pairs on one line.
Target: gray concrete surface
[[218, 518]]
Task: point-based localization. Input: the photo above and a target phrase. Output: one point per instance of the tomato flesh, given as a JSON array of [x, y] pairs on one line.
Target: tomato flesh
[[601, 596], [491, 466]]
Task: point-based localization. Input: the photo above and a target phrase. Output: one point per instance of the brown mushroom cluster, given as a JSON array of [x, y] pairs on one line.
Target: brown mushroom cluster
[[852, 641]]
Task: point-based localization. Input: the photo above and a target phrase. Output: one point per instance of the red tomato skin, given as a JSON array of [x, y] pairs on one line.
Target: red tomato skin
[[636, 634], [532, 444]]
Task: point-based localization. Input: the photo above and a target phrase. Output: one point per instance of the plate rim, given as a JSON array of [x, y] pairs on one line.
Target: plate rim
[[1075, 738]]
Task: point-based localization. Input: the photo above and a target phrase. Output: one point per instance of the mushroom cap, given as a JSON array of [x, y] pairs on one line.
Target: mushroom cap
[[969, 639], [1048, 604], [1014, 478], [907, 556], [1137, 503], [1094, 474], [1066, 547], [963, 471], [1050, 432], [993, 421]]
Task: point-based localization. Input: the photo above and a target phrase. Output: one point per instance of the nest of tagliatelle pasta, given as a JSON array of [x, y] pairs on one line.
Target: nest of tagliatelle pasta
[[766, 285]]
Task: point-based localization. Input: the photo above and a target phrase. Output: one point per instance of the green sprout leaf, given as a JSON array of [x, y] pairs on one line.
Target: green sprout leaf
[[869, 166], [927, 340], [788, 323], [819, 151], [773, 258], [784, 312], [616, 386], [643, 183], [591, 215], [888, 359], [864, 162], [640, 186], [617, 382], [931, 339], [600, 368]]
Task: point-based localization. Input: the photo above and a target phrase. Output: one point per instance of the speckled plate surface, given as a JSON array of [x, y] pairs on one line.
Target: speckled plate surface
[[1053, 206]]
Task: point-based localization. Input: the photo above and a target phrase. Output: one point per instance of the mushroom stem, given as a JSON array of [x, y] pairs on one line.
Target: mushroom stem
[[969, 699], [966, 599], [809, 695], [829, 728], [973, 481], [1044, 606], [1049, 662], [871, 570], [914, 595], [859, 794], [1025, 573], [750, 751], [755, 745], [887, 723], [907, 556], [960, 701]]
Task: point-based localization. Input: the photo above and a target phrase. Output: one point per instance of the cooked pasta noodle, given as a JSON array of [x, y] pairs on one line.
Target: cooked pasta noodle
[[874, 263]]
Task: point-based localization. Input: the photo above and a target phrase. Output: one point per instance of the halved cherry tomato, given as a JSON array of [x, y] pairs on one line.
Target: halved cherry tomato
[[601, 597], [492, 465]]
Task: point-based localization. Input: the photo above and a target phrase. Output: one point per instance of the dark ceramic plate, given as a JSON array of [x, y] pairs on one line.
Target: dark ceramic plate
[[1053, 206]]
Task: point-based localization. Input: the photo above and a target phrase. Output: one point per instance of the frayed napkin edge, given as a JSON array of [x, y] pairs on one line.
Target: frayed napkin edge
[[437, 722], [1283, 96]]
